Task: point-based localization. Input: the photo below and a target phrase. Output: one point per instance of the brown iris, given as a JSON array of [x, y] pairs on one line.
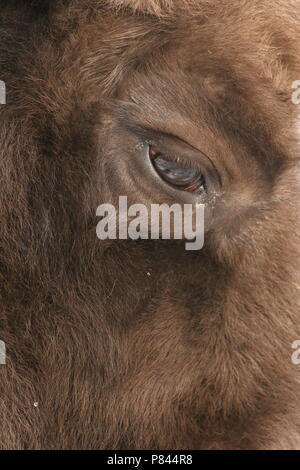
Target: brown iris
[[185, 179]]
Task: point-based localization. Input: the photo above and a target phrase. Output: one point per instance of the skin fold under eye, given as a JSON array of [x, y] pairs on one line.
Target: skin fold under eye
[[176, 175]]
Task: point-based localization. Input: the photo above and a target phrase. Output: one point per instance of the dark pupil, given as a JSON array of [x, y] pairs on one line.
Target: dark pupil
[[185, 179]]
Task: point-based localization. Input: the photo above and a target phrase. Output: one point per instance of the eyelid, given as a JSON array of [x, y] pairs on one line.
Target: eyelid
[[173, 149], [173, 146], [149, 134], [175, 156]]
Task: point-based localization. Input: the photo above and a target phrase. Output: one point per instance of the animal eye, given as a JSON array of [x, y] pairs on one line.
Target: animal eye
[[176, 175]]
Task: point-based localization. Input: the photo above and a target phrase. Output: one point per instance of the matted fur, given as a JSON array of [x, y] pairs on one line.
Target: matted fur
[[137, 345]]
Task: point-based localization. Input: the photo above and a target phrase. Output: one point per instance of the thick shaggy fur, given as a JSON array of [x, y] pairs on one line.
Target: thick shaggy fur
[[196, 355]]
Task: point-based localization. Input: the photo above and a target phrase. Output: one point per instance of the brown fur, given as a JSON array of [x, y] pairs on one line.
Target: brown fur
[[197, 355]]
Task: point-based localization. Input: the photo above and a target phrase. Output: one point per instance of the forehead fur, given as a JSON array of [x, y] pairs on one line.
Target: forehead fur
[[166, 7], [157, 7]]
